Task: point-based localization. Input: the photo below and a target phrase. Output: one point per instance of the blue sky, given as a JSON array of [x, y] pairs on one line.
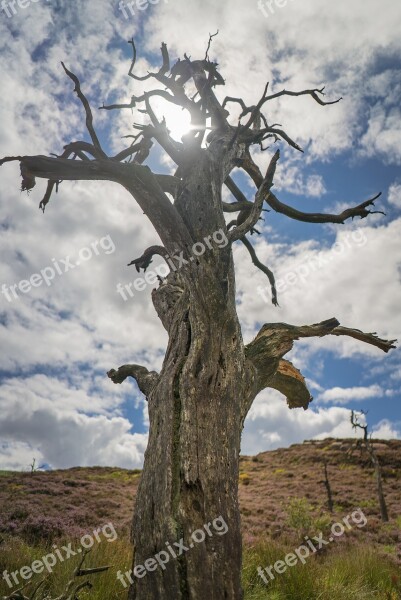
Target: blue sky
[[58, 340]]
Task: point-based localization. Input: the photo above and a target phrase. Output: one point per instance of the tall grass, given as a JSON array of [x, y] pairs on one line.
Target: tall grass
[[354, 572], [15, 554]]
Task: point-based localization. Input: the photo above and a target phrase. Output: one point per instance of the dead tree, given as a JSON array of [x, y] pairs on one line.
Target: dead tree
[[326, 483], [367, 443], [200, 399]]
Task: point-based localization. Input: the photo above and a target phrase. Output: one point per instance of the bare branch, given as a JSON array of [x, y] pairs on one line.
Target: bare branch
[[145, 379], [164, 68], [141, 149], [236, 192], [138, 99], [262, 267], [84, 572], [239, 101], [79, 147], [368, 338], [255, 111], [314, 93], [231, 207], [357, 425], [137, 179], [46, 198], [89, 117], [270, 131], [211, 36], [358, 211], [274, 340], [76, 148], [144, 261], [261, 195]]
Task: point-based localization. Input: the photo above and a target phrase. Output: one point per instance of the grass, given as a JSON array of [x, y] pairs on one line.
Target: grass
[[16, 553], [355, 572], [346, 572]]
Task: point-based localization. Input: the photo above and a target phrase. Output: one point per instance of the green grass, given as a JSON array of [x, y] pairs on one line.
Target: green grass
[[15, 554], [354, 572]]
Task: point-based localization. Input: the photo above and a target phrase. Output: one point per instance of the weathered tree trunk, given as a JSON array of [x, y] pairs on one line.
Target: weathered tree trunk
[[190, 475], [196, 412]]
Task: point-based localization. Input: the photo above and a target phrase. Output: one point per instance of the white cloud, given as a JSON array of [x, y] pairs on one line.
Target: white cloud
[[383, 136], [394, 195], [271, 424], [292, 179], [344, 395], [64, 425], [385, 430]]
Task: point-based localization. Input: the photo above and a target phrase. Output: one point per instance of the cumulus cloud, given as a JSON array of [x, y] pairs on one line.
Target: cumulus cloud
[[394, 195], [344, 395], [292, 179], [271, 424], [62, 425], [385, 430]]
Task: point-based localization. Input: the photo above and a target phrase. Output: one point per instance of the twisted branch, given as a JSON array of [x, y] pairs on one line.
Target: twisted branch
[[360, 210], [146, 380], [262, 194], [88, 112]]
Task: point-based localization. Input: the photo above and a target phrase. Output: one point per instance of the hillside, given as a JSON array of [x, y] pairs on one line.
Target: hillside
[[71, 502]]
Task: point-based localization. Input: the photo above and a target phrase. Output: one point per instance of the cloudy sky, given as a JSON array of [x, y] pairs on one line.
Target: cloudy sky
[[59, 339]]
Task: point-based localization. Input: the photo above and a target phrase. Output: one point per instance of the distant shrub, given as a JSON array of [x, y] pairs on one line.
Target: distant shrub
[[299, 514]]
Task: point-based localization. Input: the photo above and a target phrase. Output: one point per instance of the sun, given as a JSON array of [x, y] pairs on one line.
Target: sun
[[178, 120]]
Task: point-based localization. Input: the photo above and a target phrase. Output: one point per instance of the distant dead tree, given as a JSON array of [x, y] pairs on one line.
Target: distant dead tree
[[367, 444], [33, 466], [209, 379], [326, 482]]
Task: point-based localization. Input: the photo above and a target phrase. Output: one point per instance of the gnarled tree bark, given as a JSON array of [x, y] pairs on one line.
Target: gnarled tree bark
[[209, 379]]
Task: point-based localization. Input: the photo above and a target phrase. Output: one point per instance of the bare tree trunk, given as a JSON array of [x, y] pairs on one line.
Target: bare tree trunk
[[190, 475], [379, 482], [196, 411], [374, 459], [328, 488]]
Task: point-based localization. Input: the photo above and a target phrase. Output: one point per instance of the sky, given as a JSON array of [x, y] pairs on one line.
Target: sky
[[60, 337]]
